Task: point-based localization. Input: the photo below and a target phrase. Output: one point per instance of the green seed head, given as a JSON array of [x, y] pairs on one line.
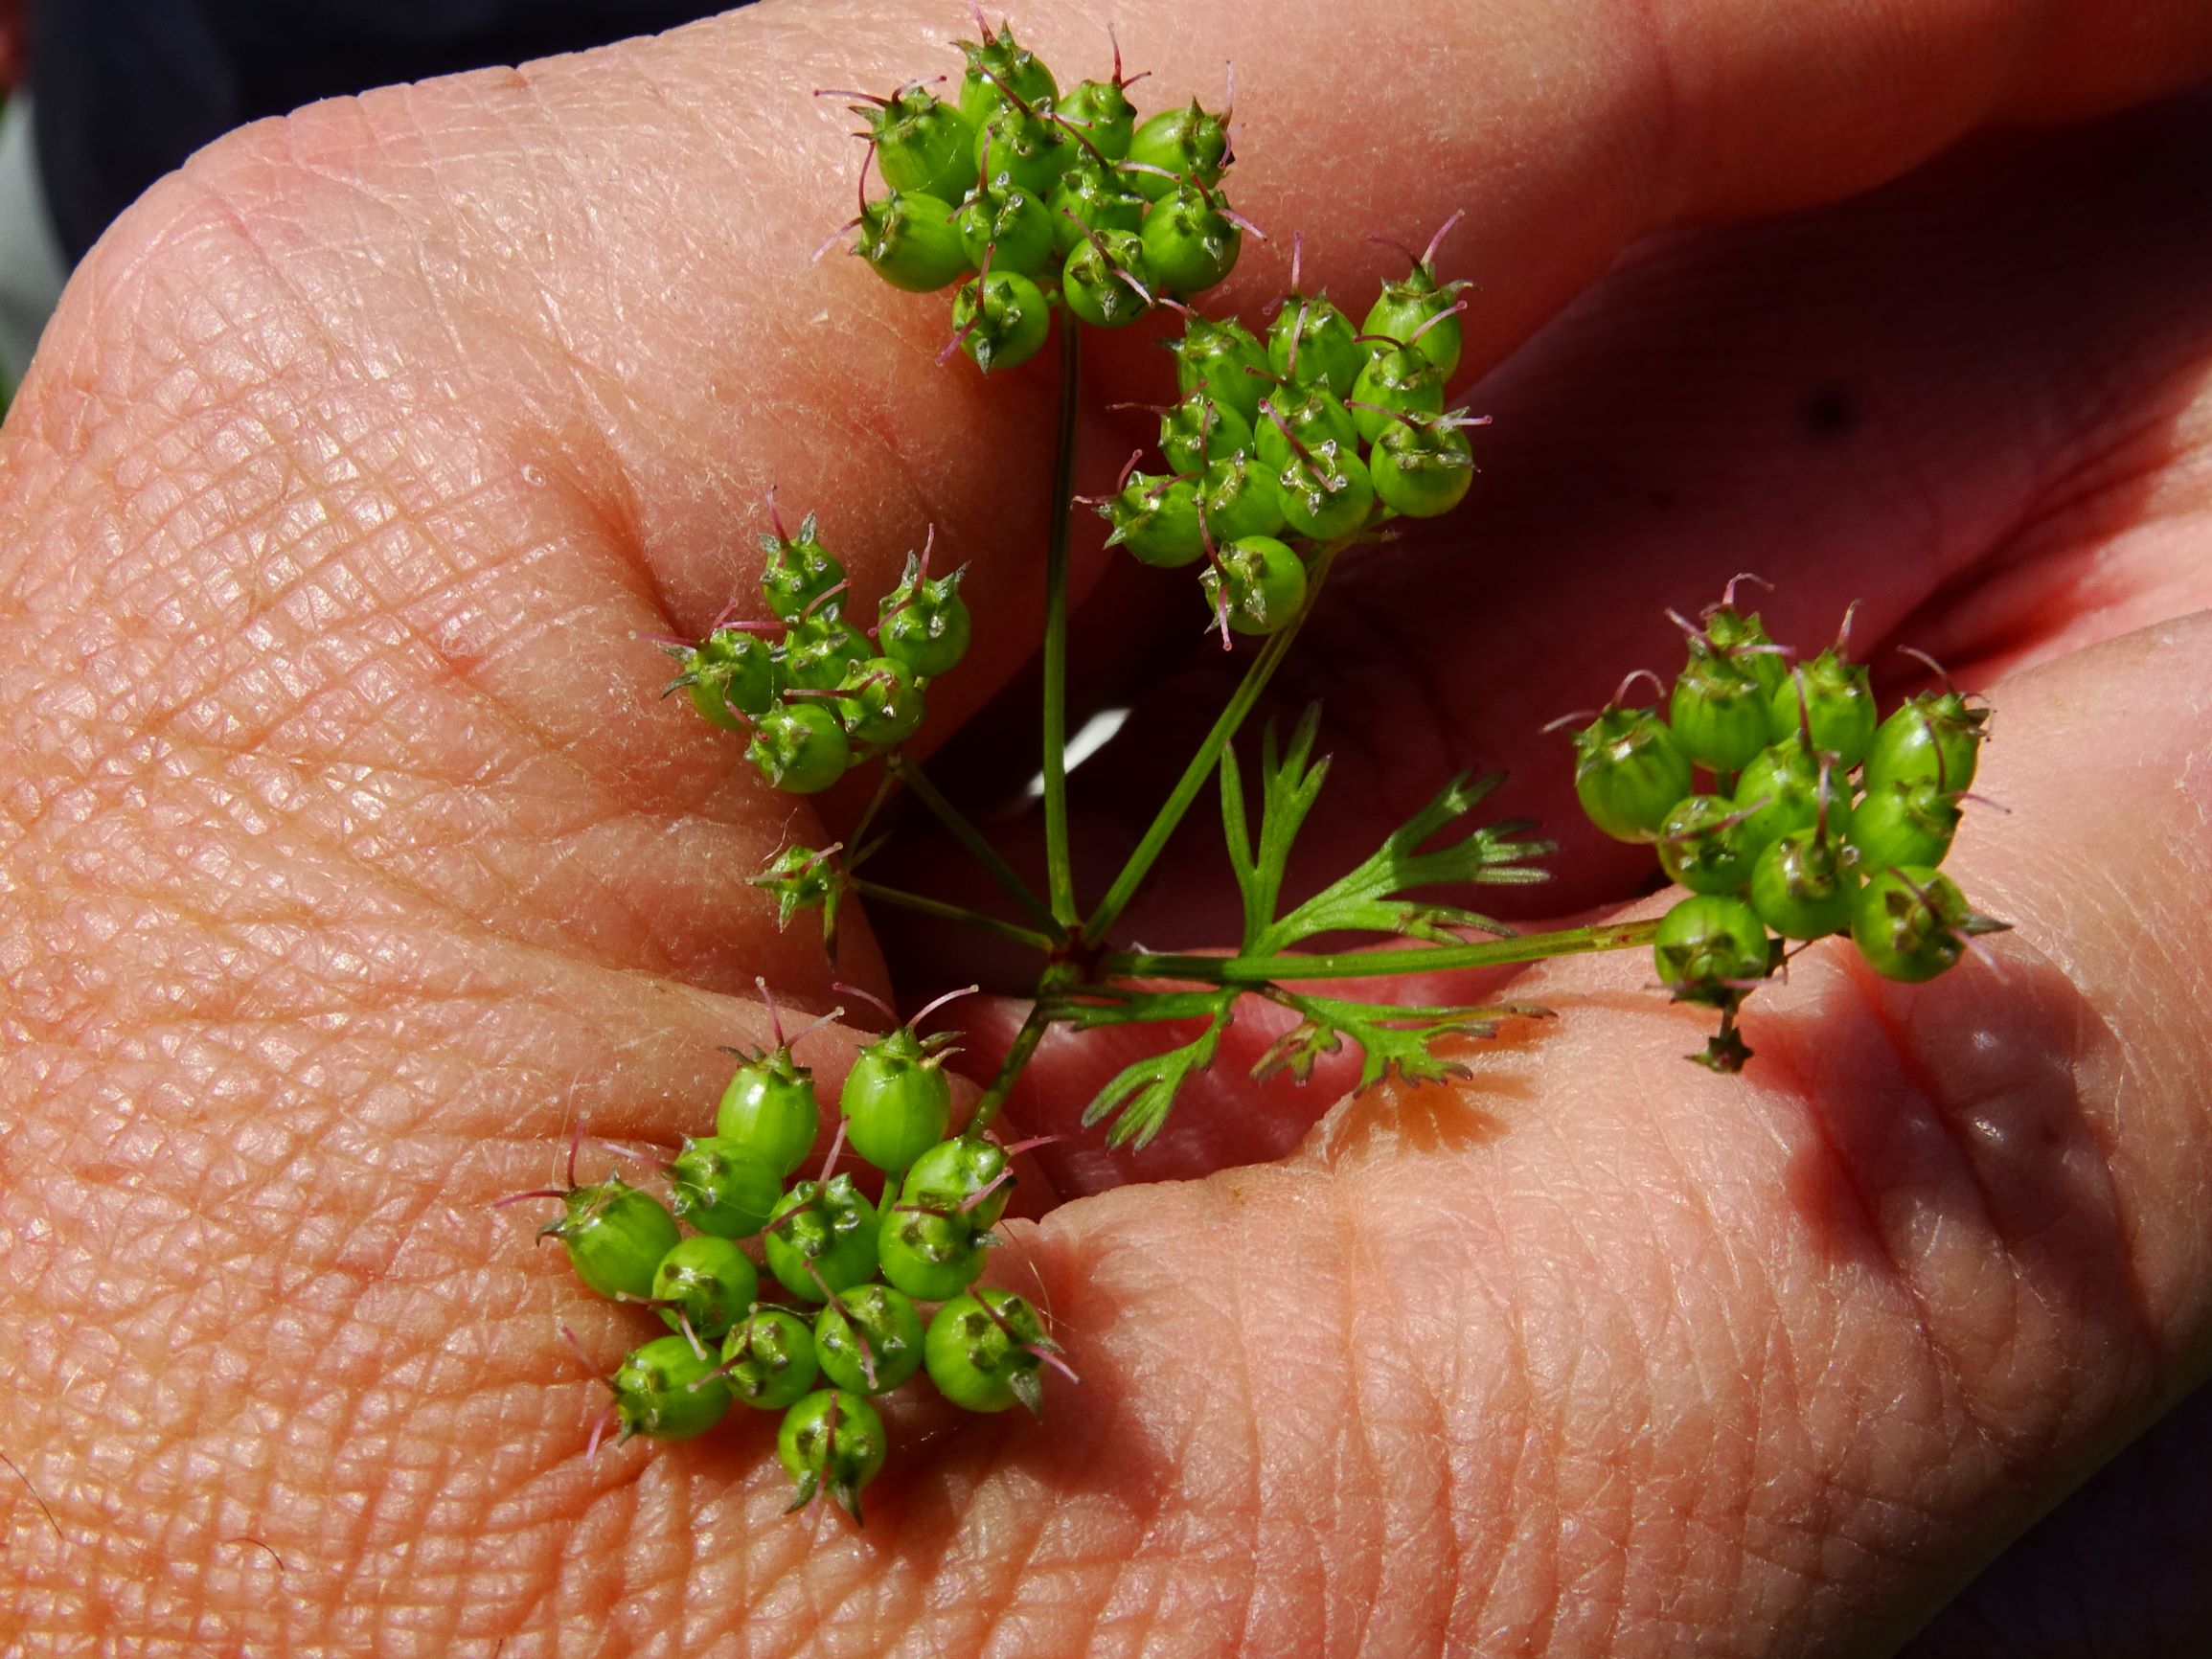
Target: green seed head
[[730, 669], [1720, 713], [1837, 705], [799, 572], [1325, 493], [1788, 787], [1399, 380], [1745, 640], [930, 1250], [1024, 147], [952, 1174], [1201, 430], [821, 649], [1416, 310], [1905, 821], [1308, 417]]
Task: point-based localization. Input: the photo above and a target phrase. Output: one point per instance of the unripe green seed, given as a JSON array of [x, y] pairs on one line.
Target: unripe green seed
[[997, 66], [1423, 468], [931, 1253], [768, 1111], [615, 1236], [1156, 518], [1023, 146], [709, 1281], [1396, 379], [666, 1390], [1720, 713], [1312, 344], [1226, 359], [1240, 499], [868, 1340], [1258, 582], [1701, 845], [722, 1188], [896, 1100], [832, 1439], [821, 650], [1106, 281], [1404, 309], [1935, 736], [1001, 319], [1088, 197], [731, 670], [1745, 640], [1912, 923], [1102, 112], [1788, 787], [1325, 493], [1190, 143], [769, 1359], [1839, 706], [798, 748], [1630, 773], [800, 575], [951, 1173], [1200, 430], [978, 1350], [1708, 946], [924, 622], [1189, 242], [826, 1227], [1906, 821], [923, 144], [1804, 885], [1310, 415], [1002, 221], [908, 240], [881, 704]]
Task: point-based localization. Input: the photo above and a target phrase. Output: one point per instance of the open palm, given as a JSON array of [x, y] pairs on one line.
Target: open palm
[[347, 856]]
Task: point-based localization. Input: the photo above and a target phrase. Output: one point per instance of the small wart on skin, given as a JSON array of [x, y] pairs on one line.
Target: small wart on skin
[[1828, 412]]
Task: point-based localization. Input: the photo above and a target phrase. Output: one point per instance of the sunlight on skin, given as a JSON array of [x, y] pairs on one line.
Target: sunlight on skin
[[350, 856]]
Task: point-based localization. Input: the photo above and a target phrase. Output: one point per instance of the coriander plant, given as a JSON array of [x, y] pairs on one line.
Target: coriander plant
[[1047, 211]]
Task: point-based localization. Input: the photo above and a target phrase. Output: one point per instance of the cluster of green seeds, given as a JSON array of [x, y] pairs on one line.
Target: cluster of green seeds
[[843, 1297], [1032, 198], [1819, 817], [821, 696], [1320, 432]]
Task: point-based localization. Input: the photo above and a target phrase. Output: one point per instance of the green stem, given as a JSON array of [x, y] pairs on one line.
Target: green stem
[[1256, 971], [960, 913], [857, 839], [969, 838], [1025, 1042], [1060, 868], [1209, 754]]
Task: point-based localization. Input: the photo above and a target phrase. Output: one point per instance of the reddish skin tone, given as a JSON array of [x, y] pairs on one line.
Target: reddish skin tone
[[347, 852]]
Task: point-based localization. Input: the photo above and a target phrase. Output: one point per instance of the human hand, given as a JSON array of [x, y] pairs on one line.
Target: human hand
[[349, 857]]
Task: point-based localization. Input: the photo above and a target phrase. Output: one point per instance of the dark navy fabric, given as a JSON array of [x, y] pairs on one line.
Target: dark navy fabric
[[125, 89]]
